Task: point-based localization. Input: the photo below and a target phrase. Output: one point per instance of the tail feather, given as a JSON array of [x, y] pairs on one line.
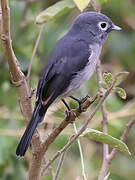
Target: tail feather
[[27, 136]]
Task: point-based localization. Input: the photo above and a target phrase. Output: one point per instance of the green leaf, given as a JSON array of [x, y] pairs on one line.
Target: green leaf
[[53, 11], [108, 78], [121, 76], [107, 139], [107, 176], [104, 85], [81, 4], [121, 92], [102, 1]]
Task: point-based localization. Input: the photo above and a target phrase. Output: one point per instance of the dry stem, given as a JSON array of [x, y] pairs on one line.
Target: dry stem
[[123, 138], [108, 157], [104, 168], [59, 166], [34, 53], [81, 154]]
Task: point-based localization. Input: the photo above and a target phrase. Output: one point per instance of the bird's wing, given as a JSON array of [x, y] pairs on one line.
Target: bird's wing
[[66, 60]]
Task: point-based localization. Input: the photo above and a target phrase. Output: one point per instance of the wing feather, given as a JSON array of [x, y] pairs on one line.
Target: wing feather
[[67, 59]]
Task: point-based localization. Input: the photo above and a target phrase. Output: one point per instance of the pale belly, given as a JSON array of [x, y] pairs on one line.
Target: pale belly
[[85, 74]]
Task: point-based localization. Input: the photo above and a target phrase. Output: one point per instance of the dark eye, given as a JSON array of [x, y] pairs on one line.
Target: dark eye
[[103, 26]]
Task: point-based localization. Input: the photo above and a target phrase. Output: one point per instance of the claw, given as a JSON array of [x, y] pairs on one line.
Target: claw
[[67, 113], [82, 100], [81, 108]]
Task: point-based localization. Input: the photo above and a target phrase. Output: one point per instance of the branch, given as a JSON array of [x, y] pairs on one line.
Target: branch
[[104, 168], [108, 157], [129, 125], [92, 5], [17, 75], [19, 80], [81, 154], [36, 162], [82, 129], [59, 165], [124, 137], [34, 53]]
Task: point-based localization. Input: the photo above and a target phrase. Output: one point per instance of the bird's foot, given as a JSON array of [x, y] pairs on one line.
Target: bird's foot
[[80, 102], [68, 112]]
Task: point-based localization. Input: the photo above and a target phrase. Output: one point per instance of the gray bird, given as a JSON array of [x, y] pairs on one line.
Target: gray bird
[[71, 64]]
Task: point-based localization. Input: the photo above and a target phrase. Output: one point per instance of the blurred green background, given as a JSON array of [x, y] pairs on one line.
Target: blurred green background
[[118, 55]]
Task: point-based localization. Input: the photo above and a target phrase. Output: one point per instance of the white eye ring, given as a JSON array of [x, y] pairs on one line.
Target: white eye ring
[[103, 25]]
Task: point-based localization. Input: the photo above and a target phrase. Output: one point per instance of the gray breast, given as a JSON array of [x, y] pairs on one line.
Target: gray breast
[[83, 75]]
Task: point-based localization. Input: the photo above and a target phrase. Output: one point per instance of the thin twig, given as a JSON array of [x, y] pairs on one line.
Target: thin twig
[[107, 158], [57, 154], [34, 53], [59, 165], [81, 153], [124, 137], [104, 167], [94, 5], [37, 158]]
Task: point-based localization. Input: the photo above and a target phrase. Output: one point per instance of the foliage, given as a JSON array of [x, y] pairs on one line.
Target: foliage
[[107, 139], [108, 81], [54, 11]]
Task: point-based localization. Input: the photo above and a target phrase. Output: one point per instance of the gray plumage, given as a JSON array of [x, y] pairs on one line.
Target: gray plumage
[[71, 64]]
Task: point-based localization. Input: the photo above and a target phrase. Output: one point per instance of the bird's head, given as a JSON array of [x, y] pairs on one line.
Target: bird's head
[[97, 24]]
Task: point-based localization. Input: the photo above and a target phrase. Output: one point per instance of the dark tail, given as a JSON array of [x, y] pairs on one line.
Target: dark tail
[[37, 117]]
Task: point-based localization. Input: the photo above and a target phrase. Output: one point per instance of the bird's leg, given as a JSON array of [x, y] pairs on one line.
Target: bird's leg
[[80, 101], [67, 106]]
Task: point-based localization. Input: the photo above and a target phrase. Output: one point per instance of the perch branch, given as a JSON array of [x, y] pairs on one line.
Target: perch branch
[[17, 75], [19, 80], [36, 162], [57, 154]]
